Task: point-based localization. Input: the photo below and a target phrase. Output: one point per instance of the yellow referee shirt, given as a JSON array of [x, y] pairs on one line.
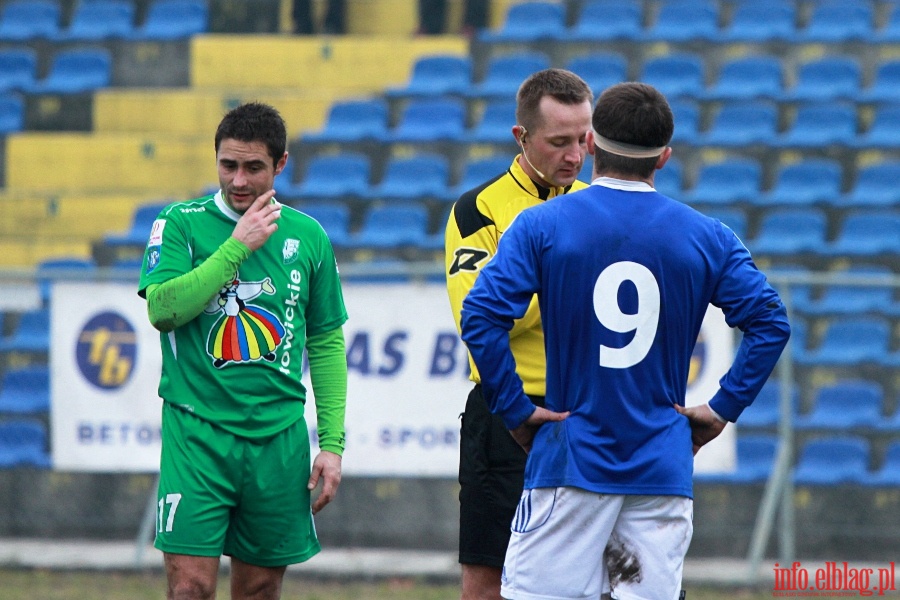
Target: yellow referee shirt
[[477, 221]]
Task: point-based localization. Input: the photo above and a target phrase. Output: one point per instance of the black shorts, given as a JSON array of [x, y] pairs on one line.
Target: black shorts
[[491, 475]]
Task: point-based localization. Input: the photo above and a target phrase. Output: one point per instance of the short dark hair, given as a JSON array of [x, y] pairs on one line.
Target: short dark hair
[[631, 113], [255, 122], [564, 86]]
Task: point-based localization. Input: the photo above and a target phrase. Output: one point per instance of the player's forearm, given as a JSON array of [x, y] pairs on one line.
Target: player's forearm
[[328, 373], [175, 302], [488, 343], [764, 339]]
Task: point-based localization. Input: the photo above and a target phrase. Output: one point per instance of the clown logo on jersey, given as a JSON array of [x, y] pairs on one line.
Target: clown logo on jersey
[[289, 250], [245, 332]]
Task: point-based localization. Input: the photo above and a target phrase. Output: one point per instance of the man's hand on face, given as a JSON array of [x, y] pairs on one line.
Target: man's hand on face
[[258, 223]]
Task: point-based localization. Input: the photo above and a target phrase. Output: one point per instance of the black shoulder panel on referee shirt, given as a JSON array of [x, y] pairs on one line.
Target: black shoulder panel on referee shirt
[[468, 218]]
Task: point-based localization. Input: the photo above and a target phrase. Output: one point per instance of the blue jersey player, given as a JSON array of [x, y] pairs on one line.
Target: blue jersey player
[[624, 276]]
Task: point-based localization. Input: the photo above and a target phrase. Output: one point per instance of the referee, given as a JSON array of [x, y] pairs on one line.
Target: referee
[[553, 114]]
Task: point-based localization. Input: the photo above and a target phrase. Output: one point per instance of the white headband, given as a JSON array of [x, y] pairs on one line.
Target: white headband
[[623, 149]]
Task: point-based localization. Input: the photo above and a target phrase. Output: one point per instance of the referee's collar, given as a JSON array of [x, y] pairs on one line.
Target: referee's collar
[[531, 186]]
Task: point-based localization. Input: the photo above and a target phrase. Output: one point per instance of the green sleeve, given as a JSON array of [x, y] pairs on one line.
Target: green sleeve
[[328, 373], [175, 302]]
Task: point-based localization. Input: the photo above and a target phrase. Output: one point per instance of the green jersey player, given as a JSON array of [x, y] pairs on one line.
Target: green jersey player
[[238, 285]]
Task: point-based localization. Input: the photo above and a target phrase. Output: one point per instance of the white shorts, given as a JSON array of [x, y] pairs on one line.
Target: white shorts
[[570, 544]]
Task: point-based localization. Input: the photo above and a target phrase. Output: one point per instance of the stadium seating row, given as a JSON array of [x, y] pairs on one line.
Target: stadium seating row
[[27, 20], [735, 124], [757, 75], [676, 21], [726, 182], [839, 460]]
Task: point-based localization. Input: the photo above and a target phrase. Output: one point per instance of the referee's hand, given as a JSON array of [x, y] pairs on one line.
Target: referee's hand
[[524, 433]]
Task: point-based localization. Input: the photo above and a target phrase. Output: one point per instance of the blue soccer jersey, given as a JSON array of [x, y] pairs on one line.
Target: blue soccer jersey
[[624, 276]]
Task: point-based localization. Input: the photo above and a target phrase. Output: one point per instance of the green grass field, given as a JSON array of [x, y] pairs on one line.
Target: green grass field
[[104, 585]]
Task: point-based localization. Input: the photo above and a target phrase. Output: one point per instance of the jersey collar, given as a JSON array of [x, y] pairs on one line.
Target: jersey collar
[[223, 206], [532, 187], [623, 184]]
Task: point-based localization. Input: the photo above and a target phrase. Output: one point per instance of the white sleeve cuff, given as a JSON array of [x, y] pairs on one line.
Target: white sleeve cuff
[[720, 418]]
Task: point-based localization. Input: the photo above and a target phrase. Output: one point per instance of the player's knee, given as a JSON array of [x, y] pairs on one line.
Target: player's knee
[[192, 589], [259, 589]]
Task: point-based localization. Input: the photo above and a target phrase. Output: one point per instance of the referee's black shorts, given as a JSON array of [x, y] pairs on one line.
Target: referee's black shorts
[[491, 474]]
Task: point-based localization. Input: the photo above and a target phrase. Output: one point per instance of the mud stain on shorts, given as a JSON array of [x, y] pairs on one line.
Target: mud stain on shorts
[[623, 565]]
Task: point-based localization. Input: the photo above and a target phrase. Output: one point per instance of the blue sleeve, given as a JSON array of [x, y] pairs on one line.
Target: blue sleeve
[[754, 307], [500, 295]]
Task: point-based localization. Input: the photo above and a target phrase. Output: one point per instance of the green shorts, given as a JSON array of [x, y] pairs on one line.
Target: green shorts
[[223, 494]]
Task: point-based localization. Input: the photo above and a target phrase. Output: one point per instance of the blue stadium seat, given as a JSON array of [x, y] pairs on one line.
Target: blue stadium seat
[[352, 121], [820, 124], [885, 85], [335, 176], [430, 120], [670, 179], [867, 233], [742, 123], [734, 218], [790, 231], [761, 21], [18, 69], [334, 219], [828, 78], [141, 223], [889, 473], [23, 443], [875, 186], [97, 20], [25, 390], [529, 22], [393, 226], [496, 123], [845, 404], [833, 461], [748, 77], [599, 69], [24, 20], [436, 75], [285, 185], [477, 172], [676, 74], [765, 411], [505, 73], [733, 180], [832, 22], [418, 177], [852, 299], [849, 342], [32, 335], [805, 182], [884, 132], [12, 113], [173, 19], [605, 20], [686, 114], [76, 70], [755, 459], [679, 21], [890, 33], [800, 293]]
